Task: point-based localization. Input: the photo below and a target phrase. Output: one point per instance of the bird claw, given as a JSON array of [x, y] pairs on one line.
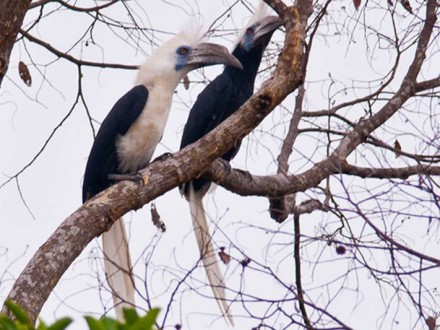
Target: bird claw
[[163, 157], [136, 177], [246, 174], [226, 165]]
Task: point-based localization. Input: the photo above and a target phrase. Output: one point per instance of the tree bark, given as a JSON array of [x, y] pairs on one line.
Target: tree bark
[[11, 18], [44, 270], [49, 263]]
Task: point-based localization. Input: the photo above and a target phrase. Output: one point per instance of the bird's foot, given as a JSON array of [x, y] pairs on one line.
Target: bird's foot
[[226, 165], [136, 177], [247, 175], [163, 157]]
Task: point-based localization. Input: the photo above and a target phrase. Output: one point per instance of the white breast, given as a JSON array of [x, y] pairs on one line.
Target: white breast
[[136, 147]]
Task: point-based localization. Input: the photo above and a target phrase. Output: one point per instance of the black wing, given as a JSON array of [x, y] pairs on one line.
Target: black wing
[[103, 159], [205, 111], [222, 97]]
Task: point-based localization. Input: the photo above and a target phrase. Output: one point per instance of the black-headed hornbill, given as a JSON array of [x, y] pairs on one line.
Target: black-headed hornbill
[[221, 98]]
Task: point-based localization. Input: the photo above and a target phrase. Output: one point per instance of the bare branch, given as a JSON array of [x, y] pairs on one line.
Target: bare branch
[[245, 184], [43, 272], [72, 59], [278, 209], [390, 173], [298, 281], [428, 84], [366, 231]]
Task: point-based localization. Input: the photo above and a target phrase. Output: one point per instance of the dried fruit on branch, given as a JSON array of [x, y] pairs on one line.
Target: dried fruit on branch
[[24, 73]]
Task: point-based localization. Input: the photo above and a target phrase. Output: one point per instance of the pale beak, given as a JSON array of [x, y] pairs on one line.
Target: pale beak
[[267, 26]]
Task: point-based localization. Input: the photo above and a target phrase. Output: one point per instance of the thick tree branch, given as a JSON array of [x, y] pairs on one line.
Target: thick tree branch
[[390, 173], [428, 84], [49, 263], [279, 209], [278, 185], [245, 184], [406, 90], [43, 272]]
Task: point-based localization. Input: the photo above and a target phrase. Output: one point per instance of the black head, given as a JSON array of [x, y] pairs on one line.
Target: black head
[[258, 33], [253, 42]]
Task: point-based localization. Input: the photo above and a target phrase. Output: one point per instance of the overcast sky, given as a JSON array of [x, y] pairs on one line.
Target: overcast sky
[[50, 189]]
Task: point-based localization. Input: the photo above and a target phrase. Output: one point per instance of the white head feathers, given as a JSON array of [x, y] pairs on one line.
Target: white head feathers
[[192, 32], [164, 56]]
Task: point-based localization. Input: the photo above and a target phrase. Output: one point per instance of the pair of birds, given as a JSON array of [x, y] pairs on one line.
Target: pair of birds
[[129, 134]]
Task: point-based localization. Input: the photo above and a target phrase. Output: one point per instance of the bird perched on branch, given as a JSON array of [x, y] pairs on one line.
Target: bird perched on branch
[[129, 134], [221, 98]]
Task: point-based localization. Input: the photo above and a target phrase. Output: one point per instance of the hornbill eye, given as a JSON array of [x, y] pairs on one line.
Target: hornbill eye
[[183, 50], [250, 30]]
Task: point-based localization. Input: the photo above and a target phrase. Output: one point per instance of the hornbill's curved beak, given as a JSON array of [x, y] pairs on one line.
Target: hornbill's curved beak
[[206, 53], [267, 26]]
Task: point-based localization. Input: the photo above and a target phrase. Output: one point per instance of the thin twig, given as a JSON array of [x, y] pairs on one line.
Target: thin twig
[[298, 282], [73, 59]]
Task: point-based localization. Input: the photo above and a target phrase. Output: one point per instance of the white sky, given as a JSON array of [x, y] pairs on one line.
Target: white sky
[[51, 187]]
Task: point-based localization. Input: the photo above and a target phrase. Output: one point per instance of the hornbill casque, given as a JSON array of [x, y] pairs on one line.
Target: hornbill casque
[[221, 98], [129, 134]]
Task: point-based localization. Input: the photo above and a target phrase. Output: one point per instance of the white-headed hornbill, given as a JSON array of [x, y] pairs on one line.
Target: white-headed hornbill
[[129, 134], [222, 97]]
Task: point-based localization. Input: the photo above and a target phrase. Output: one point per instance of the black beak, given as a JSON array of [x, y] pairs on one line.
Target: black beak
[[205, 54]]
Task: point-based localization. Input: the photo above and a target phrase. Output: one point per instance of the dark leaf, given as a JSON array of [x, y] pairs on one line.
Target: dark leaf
[[24, 73], [186, 82], [431, 323], [245, 261], [224, 257], [421, 181], [356, 3], [406, 5], [398, 148], [341, 249], [155, 217]]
